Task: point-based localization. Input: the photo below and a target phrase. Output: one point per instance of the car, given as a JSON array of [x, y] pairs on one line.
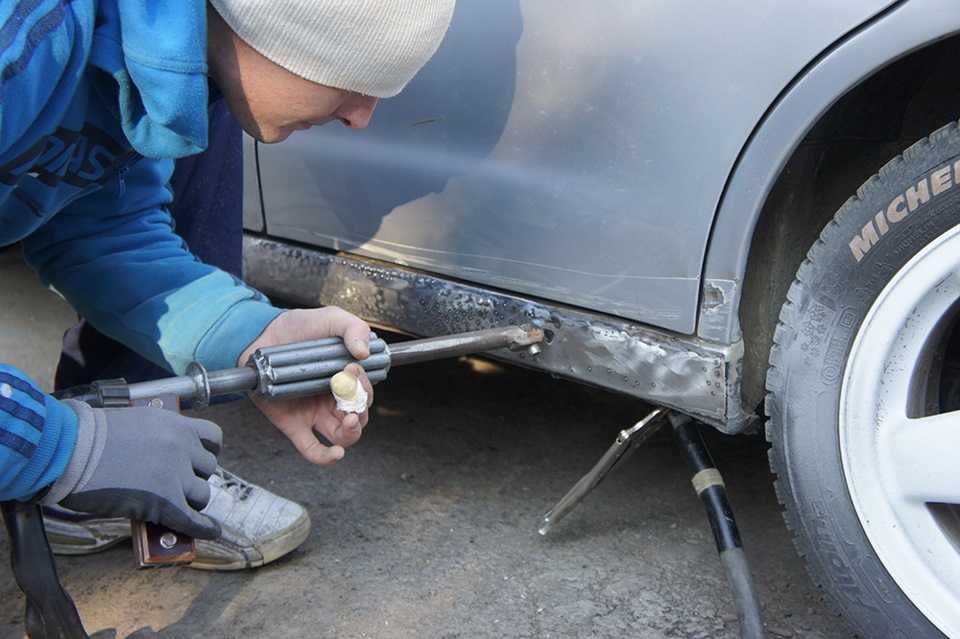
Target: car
[[748, 213]]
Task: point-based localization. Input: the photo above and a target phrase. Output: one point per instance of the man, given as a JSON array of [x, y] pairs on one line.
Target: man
[[96, 99], [256, 526]]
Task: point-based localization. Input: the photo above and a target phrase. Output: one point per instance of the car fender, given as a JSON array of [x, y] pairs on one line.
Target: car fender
[[901, 29]]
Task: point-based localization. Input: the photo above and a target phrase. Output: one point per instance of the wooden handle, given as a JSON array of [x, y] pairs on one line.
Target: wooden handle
[[154, 545]]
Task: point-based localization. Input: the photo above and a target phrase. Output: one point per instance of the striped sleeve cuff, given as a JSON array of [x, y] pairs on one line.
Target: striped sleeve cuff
[[37, 437]]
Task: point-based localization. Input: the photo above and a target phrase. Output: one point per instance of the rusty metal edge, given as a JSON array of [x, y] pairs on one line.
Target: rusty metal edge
[[682, 372]]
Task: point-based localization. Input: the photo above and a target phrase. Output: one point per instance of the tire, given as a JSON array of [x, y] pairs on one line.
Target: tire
[[841, 279]]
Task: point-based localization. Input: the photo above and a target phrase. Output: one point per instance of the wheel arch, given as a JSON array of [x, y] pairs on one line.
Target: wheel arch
[[833, 127]]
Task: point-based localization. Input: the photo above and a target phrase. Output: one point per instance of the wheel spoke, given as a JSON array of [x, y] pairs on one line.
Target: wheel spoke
[[906, 326], [924, 456]]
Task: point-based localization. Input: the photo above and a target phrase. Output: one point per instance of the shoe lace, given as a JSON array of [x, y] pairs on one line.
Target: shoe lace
[[234, 485]]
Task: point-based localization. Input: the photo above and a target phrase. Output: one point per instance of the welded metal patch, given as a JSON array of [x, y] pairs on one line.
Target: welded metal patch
[[680, 372]]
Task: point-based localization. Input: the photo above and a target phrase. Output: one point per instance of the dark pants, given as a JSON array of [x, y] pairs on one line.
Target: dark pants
[[208, 214]]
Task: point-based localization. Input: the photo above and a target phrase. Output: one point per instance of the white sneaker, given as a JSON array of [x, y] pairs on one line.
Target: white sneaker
[[257, 526]]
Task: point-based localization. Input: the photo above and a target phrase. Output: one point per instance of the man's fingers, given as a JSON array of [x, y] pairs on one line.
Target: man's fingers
[[350, 429], [357, 371], [354, 331], [340, 428], [204, 462], [197, 492], [210, 434], [312, 450]]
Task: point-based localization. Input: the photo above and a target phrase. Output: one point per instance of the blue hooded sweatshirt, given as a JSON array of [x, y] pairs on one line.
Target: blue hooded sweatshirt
[[97, 97]]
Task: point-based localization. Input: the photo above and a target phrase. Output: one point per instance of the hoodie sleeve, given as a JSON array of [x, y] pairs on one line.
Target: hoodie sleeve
[[114, 256], [37, 436]]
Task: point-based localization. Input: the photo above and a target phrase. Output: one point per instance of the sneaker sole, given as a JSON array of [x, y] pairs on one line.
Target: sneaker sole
[[271, 549], [79, 538]]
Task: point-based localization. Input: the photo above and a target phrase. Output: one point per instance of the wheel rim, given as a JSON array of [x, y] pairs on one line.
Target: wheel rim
[[900, 451]]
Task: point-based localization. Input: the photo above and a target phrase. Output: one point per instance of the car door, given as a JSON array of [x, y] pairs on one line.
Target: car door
[[573, 152]]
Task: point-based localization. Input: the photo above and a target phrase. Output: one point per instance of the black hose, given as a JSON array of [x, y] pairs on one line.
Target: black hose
[[710, 488], [51, 613]]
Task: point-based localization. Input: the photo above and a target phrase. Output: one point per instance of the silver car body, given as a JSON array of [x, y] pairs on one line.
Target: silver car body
[[600, 166]]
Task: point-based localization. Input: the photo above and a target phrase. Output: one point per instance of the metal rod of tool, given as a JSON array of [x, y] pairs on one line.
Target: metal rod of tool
[[224, 382], [426, 350], [182, 387]]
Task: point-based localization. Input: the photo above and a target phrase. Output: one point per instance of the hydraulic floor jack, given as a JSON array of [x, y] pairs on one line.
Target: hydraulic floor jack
[[306, 368]]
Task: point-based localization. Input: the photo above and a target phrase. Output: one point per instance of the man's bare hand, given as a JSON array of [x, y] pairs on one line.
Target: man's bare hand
[[298, 418]]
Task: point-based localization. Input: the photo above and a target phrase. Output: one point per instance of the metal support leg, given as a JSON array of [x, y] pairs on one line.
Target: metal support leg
[[51, 613], [627, 441], [709, 486]]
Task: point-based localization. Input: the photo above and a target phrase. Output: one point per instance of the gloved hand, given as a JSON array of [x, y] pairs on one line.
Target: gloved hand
[[141, 463]]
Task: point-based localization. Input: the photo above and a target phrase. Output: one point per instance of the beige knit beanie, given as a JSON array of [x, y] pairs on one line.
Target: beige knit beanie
[[374, 47]]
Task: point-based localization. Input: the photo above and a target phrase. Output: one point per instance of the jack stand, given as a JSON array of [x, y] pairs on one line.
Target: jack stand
[[709, 486], [51, 613]]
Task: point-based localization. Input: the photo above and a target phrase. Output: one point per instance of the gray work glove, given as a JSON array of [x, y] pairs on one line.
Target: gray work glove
[[141, 463]]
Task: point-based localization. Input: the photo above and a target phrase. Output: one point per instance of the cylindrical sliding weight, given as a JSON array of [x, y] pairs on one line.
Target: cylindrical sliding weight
[[318, 353]]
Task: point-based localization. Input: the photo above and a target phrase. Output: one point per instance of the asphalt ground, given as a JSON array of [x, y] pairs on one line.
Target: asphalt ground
[[428, 527]]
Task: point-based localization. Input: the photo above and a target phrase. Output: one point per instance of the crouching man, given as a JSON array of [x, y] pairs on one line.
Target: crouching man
[[98, 100]]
